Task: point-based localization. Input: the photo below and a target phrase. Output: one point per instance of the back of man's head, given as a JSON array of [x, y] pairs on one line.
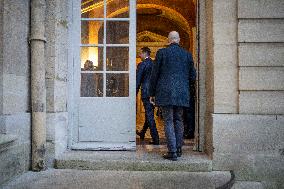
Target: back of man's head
[[174, 37], [146, 50]]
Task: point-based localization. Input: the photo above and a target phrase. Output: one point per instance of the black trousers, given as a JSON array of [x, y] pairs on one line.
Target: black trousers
[[149, 120], [189, 118]]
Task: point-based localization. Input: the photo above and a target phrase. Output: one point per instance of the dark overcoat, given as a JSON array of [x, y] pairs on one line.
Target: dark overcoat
[[143, 74], [171, 75]]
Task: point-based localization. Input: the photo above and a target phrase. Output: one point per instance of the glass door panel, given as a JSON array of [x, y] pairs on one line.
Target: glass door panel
[[117, 32], [117, 58], [92, 32], [92, 8], [91, 85], [118, 9], [92, 58], [118, 85]]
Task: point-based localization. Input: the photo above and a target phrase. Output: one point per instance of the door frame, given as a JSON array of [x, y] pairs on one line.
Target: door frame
[[201, 111]]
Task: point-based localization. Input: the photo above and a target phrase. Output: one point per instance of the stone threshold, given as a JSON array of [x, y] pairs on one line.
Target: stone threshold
[[145, 158]]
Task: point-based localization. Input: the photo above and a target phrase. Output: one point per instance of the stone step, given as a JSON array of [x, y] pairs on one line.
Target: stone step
[[140, 160], [58, 178]]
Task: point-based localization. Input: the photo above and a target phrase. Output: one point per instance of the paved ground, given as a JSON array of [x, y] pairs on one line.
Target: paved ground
[[84, 179]]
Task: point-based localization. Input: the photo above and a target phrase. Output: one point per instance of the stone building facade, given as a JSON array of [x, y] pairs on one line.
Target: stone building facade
[[240, 45]]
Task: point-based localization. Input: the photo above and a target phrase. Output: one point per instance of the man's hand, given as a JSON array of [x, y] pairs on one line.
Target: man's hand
[[152, 100]]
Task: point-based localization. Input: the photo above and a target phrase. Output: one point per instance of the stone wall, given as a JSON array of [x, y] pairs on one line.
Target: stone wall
[[248, 132], [57, 23], [209, 73], [15, 117]]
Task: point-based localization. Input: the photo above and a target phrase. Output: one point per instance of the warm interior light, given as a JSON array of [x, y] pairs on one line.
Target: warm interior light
[[92, 53]]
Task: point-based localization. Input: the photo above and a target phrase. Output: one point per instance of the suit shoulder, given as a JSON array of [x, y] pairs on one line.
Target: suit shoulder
[[161, 50], [188, 53], [144, 63], [139, 65], [148, 60], [185, 51]]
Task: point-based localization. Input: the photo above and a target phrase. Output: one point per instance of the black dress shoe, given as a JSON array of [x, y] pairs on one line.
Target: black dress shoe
[[179, 152], [170, 156], [140, 134]]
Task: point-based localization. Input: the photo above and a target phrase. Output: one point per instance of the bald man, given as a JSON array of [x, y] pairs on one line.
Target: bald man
[[169, 88]]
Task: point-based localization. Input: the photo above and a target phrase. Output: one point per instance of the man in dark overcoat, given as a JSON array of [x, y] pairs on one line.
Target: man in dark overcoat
[[169, 88], [143, 74]]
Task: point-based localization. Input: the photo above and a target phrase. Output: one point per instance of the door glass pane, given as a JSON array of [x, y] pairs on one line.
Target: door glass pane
[[118, 9], [92, 8], [117, 58], [117, 32], [117, 85], [92, 58], [91, 85], [92, 32]]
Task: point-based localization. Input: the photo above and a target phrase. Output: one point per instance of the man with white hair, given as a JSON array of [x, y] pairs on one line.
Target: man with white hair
[[169, 88]]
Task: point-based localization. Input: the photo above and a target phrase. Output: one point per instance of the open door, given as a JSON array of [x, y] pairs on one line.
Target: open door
[[104, 75]]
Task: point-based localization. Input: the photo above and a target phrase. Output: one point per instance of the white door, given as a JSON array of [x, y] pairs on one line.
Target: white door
[[104, 74]]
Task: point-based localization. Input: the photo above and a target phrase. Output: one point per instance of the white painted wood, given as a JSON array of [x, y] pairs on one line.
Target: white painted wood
[[104, 146], [105, 123], [106, 120], [70, 99], [75, 82]]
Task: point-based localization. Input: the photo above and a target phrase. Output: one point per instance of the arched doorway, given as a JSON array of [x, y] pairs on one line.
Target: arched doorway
[[154, 22], [107, 20]]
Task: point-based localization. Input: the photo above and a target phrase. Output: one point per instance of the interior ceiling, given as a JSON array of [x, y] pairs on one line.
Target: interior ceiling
[[161, 26], [185, 7], [149, 11], [157, 21]]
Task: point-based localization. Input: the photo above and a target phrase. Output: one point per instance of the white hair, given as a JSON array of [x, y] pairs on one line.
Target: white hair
[[174, 37]]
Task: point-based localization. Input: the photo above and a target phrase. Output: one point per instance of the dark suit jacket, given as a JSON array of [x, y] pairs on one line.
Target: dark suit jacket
[[143, 74], [171, 75]]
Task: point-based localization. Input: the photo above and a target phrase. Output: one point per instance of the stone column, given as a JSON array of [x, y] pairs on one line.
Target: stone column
[[38, 90]]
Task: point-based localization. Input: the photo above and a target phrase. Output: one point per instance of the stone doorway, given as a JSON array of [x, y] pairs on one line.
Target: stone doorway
[[154, 22], [184, 18]]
